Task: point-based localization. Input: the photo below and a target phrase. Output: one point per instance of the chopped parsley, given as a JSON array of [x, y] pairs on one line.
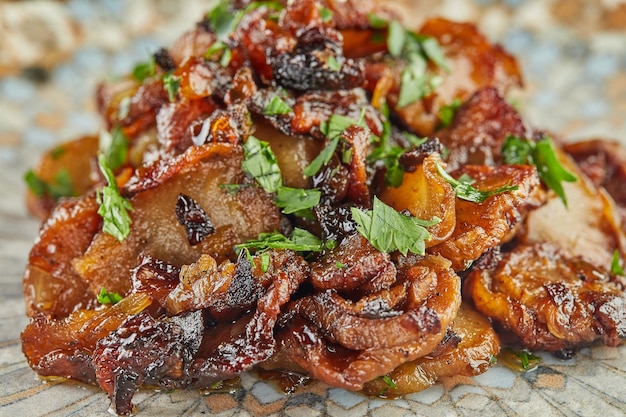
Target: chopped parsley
[[389, 382], [224, 21], [57, 152], [113, 207], [261, 164], [322, 158], [376, 22], [219, 47], [265, 261], [333, 64], [325, 14], [300, 241], [332, 129], [144, 70], [388, 230], [465, 191], [276, 106], [616, 268], [389, 154], [542, 154], [340, 265], [60, 187], [171, 83], [416, 49], [115, 147], [294, 200], [520, 359], [448, 111], [105, 297], [416, 83]]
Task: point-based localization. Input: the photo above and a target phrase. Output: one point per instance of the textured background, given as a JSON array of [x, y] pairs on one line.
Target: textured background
[[53, 53]]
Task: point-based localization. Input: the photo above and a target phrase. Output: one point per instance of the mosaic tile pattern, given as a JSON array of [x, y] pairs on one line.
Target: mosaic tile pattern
[[52, 54]]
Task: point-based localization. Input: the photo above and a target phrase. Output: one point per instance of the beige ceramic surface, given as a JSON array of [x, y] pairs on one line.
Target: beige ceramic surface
[[53, 53]]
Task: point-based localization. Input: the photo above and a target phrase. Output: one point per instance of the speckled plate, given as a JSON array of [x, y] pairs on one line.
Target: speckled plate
[[574, 57]]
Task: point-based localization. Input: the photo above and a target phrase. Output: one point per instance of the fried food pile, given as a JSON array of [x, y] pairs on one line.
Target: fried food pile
[[311, 188]]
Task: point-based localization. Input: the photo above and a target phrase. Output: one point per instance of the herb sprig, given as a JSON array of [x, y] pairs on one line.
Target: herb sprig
[[171, 83], [388, 230], [115, 147], [105, 297], [300, 241], [332, 129], [276, 106], [144, 70], [464, 189], [542, 154], [113, 207], [616, 267], [390, 154], [61, 186], [416, 82], [261, 164]]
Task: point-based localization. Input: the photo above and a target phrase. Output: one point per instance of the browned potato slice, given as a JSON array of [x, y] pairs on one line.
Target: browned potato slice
[[156, 231], [475, 352], [425, 194]]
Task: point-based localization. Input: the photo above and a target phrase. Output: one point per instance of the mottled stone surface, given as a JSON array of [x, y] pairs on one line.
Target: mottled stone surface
[[52, 54]]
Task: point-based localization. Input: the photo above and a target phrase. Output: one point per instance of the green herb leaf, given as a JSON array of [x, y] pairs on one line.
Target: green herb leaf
[[57, 152], [144, 70], [113, 207], [332, 129], [115, 147], [223, 21], [396, 38], [60, 187], [526, 360], [276, 5], [36, 185], [616, 268], [415, 86], [543, 155], [325, 14], [322, 158], [105, 297], [300, 241], [389, 382], [265, 261], [261, 164], [171, 83], [219, 47], [276, 106], [386, 153], [447, 112], [293, 200], [550, 169], [340, 265], [333, 64], [376, 21], [388, 230], [337, 123], [465, 191], [233, 188], [416, 83], [433, 51], [517, 151]]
